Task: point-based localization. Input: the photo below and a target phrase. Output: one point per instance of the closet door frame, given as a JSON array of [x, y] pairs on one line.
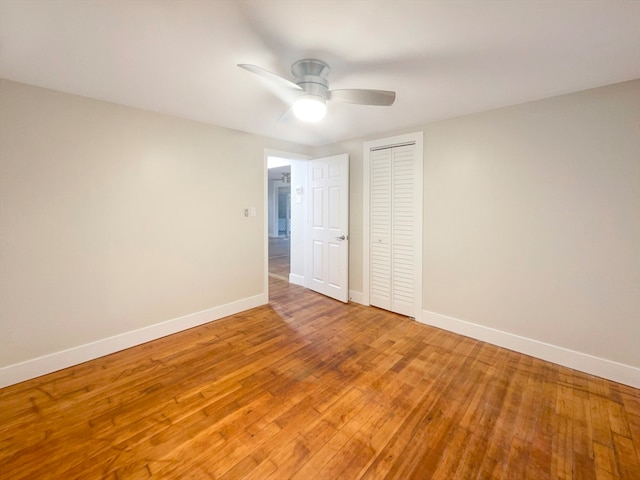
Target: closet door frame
[[417, 139]]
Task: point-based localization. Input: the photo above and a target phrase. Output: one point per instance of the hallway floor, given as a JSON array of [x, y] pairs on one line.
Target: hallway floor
[[279, 257]]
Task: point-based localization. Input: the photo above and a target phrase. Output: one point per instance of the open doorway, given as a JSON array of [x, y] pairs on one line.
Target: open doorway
[[286, 215], [279, 212]]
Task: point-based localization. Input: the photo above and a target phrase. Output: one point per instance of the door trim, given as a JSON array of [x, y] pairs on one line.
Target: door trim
[[417, 139]]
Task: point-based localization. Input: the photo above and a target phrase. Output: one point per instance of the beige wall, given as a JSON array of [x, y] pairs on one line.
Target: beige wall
[[114, 219], [532, 216], [532, 220]]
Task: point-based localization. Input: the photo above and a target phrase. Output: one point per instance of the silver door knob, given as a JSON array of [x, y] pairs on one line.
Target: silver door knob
[[341, 237]]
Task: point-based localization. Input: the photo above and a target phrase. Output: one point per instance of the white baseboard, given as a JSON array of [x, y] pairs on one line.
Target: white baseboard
[[35, 367], [583, 362], [356, 297], [296, 279]]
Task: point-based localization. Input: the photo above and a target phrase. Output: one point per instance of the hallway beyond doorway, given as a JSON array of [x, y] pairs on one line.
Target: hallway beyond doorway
[[279, 257]]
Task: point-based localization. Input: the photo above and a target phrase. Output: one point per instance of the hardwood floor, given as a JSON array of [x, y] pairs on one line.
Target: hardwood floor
[[309, 388]]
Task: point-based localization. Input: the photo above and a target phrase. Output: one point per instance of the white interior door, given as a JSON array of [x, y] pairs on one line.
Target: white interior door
[[327, 253]]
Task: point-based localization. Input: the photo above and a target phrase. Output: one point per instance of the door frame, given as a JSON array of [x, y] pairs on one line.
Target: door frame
[[417, 139], [267, 152]]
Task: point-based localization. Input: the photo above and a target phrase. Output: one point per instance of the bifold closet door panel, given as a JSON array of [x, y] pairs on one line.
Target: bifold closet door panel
[[380, 281], [392, 261], [403, 230]]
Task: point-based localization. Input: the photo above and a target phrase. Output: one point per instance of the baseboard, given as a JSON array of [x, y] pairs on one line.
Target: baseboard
[[583, 362], [296, 279], [355, 296], [36, 367]]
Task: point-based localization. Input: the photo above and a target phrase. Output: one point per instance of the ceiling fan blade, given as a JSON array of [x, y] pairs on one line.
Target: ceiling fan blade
[[272, 77], [364, 97], [287, 116]]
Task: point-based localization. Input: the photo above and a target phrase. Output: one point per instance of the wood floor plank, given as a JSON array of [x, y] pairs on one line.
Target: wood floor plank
[[308, 387]]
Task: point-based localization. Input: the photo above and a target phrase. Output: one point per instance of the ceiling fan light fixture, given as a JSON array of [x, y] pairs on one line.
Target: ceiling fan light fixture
[[310, 108]]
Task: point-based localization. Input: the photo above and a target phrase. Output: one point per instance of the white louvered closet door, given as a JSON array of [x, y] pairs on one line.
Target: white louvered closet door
[[393, 236]]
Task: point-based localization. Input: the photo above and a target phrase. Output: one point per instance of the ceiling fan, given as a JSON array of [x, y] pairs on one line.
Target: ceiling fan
[[310, 89]]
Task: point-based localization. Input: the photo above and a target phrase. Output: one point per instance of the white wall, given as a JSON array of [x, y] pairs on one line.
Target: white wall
[[115, 219], [532, 221]]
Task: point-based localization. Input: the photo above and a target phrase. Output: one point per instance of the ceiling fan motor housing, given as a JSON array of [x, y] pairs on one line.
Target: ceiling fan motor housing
[[310, 74]]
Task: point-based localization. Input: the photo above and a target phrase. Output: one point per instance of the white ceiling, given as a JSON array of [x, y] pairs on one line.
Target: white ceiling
[[443, 58]]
